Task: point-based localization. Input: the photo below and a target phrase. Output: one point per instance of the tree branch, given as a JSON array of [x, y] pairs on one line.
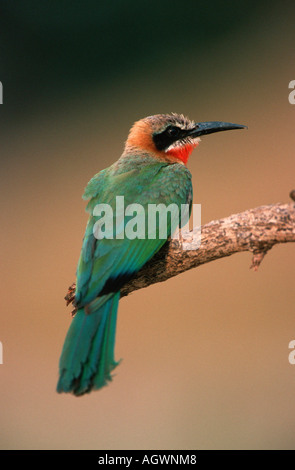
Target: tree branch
[[255, 230]]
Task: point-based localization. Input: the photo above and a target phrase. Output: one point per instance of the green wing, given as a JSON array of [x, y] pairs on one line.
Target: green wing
[[108, 263]]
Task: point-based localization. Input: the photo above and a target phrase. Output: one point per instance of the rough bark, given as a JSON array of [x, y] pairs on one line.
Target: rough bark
[[255, 230]]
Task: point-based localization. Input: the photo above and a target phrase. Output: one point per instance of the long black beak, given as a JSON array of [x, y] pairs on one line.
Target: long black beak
[[203, 128]]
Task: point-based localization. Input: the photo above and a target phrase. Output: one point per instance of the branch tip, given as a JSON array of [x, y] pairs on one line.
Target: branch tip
[[257, 260]]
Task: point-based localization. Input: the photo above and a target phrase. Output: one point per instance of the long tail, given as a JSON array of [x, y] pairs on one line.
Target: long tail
[[87, 357]]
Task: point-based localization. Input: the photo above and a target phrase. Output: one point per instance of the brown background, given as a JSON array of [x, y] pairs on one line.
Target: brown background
[[205, 355]]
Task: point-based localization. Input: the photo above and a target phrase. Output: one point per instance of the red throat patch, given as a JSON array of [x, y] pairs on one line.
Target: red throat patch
[[183, 151]]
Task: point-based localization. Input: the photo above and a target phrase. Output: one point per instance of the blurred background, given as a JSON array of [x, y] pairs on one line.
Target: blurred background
[[205, 355]]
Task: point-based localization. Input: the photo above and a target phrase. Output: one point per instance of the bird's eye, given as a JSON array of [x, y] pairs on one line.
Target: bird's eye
[[173, 131], [166, 137]]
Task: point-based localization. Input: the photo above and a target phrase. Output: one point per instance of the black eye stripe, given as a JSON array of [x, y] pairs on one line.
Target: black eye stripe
[[165, 138]]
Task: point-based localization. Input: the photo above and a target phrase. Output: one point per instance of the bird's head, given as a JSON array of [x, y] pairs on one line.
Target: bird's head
[[171, 137]]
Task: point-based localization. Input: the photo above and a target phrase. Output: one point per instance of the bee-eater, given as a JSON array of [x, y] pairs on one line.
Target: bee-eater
[[151, 170]]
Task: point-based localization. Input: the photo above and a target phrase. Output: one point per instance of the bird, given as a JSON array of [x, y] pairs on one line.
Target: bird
[[151, 170]]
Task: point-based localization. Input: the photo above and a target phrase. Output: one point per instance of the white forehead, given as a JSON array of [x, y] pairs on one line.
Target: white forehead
[[173, 119]]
